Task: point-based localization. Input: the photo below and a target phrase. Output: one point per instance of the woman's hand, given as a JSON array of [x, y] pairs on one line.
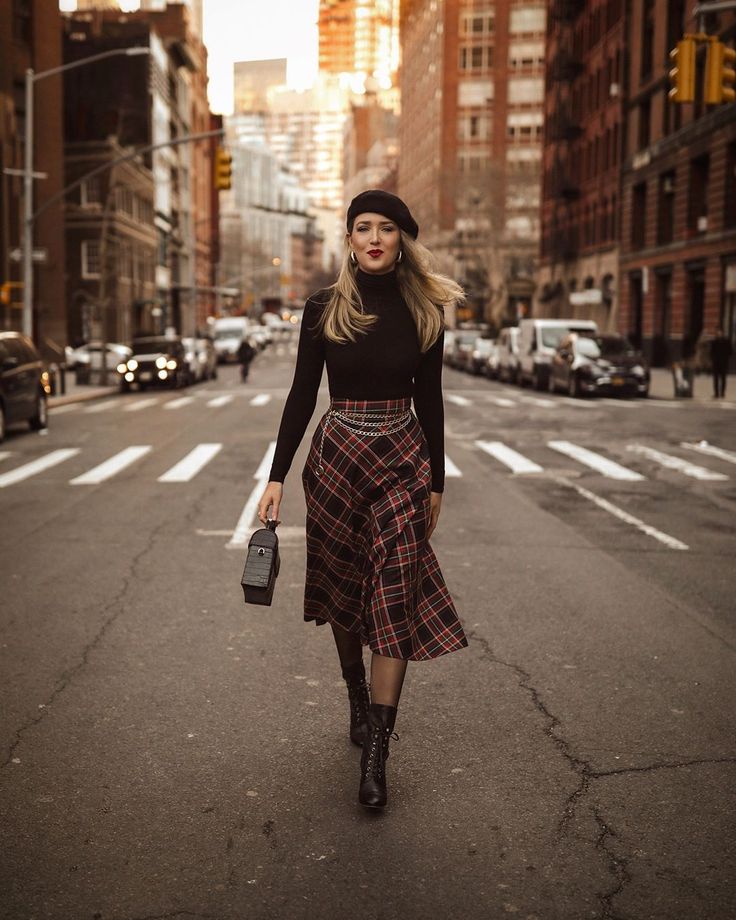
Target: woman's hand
[[271, 498], [434, 511]]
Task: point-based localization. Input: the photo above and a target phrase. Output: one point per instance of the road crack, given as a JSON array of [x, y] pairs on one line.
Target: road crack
[[114, 605]]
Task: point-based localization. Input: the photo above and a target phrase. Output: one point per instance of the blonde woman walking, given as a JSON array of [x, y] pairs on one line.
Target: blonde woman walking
[[374, 476]]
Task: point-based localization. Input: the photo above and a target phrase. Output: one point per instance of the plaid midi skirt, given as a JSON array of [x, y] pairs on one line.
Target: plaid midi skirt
[[370, 568]]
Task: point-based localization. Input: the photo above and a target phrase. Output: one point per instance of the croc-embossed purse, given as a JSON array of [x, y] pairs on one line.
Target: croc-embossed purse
[[261, 565]]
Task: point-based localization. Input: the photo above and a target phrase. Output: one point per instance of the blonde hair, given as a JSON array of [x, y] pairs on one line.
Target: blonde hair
[[424, 290]]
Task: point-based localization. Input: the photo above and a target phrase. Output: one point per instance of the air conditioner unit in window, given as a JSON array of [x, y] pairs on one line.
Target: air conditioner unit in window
[[702, 224], [668, 186], [613, 89]]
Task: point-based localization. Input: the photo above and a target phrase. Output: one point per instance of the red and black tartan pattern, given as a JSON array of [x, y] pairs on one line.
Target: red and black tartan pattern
[[370, 568]]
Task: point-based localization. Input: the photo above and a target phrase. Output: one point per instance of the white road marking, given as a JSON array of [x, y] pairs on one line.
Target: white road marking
[[111, 467], [37, 466], [179, 403], [246, 521], [450, 468], [538, 401], [601, 464], [60, 410], [503, 402], [102, 406], [704, 447], [578, 403], [219, 401], [677, 463], [622, 403], [666, 403], [509, 457], [622, 515], [458, 400], [4, 454], [261, 399], [188, 467], [141, 404]]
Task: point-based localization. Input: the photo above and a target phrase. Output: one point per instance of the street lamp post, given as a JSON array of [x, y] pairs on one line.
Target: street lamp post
[[29, 175]]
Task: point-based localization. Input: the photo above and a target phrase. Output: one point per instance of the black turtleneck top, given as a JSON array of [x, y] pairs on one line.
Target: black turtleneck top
[[383, 363]]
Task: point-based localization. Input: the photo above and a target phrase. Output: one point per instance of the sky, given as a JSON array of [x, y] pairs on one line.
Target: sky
[[247, 30]]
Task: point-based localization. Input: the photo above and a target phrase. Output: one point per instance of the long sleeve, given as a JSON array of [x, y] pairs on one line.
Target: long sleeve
[[430, 409], [302, 396]]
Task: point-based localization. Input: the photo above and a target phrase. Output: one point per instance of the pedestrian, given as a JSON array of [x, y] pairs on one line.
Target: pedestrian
[[246, 353], [374, 475], [720, 355]]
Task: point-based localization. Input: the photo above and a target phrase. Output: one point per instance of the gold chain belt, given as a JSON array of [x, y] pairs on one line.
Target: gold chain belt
[[357, 421]]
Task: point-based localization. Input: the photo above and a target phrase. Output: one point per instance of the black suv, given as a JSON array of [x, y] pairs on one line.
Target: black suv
[[156, 361], [24, 384]]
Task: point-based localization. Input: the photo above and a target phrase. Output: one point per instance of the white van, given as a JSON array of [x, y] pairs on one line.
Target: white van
[[538, 341], [508, 354], [229, 332]]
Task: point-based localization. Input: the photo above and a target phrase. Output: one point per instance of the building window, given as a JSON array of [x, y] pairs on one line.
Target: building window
[[90, 259], [474, 126], [525, 90], [666, 208], [647, 39], [476, 57], [638, 215], [22, 21], [645, 123], [526, 54], [729, 215], [698, 194], [479, 22], [523, 20], [90, 192]]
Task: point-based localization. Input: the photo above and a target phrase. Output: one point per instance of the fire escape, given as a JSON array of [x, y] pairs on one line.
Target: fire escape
[[564, 129]]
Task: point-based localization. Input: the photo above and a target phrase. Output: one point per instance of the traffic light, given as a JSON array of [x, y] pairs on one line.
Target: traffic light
[[720, 75], [223, 169], [682, 75]]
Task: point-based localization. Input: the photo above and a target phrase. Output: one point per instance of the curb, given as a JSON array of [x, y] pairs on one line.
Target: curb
[[55, 401]]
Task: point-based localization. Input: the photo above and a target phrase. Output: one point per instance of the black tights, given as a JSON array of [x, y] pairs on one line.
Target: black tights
[[387, 674]]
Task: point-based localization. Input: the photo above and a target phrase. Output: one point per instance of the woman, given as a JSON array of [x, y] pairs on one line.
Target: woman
[[374, 476]]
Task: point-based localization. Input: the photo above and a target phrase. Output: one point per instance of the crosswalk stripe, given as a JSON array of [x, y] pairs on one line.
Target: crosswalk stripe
[[37, 466], [597, 462], [247, 518], [578, 403], [141, 404], [671, 542], [503, 402], [458, 400], [4, 454], [188, 467], [704, 447], [677, 463], [538, 401], [179, 403], [60, 410], [111, 467], [102, 406], [624, 403], [261, 399], [450, 468], [509, 457], [219, 401]]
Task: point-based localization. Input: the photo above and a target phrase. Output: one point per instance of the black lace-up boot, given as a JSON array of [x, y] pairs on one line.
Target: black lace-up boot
[[358, 695], [372, 791]]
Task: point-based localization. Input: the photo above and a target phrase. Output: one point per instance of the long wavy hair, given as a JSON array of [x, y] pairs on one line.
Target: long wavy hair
[[425, 291]]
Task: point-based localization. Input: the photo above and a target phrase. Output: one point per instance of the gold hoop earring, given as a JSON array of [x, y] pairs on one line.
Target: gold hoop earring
[[400, 255], [353, 257]]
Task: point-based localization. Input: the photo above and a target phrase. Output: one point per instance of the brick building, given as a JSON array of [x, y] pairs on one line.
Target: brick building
[[678, 217], [471, 142], [30, 36], [579, 256]]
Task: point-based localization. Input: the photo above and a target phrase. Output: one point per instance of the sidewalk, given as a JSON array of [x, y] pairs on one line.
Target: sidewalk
[[80, 393], [662, 387]]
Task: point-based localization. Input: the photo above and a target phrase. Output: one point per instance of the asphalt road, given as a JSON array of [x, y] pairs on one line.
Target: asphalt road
[[169, 752]]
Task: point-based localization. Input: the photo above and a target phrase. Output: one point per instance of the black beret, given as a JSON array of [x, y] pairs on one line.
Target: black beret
[[376, 201]]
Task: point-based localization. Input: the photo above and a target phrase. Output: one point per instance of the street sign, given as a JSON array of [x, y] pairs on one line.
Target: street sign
[[39, 255]]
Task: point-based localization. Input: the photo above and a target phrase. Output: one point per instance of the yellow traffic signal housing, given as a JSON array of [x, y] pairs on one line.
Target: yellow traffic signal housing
[[682, 75], [720, 75], [223, 169]]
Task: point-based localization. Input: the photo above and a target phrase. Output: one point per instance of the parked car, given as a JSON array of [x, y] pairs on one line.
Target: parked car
[[538, 341], [90, 355], [207, 357], [155, 361], [508, 354], [462, 344], [448, 345], [24, 384], [476, 359], [229, 333], [586, 365]]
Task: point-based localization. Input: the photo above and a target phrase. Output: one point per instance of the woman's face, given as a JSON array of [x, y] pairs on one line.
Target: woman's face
[[376, 241]]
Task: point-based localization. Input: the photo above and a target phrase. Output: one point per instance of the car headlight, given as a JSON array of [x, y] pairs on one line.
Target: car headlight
[[161, 362], [638, 370], [132, 364], [171, 365], [122, 368]]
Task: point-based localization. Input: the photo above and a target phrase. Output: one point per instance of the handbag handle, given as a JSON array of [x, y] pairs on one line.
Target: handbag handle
[[272, 524]]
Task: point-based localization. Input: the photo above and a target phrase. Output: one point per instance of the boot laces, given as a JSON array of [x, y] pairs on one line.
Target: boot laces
[[377, 753]]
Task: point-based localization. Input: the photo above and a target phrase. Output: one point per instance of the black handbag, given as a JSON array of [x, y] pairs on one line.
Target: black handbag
[[261, 565]]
